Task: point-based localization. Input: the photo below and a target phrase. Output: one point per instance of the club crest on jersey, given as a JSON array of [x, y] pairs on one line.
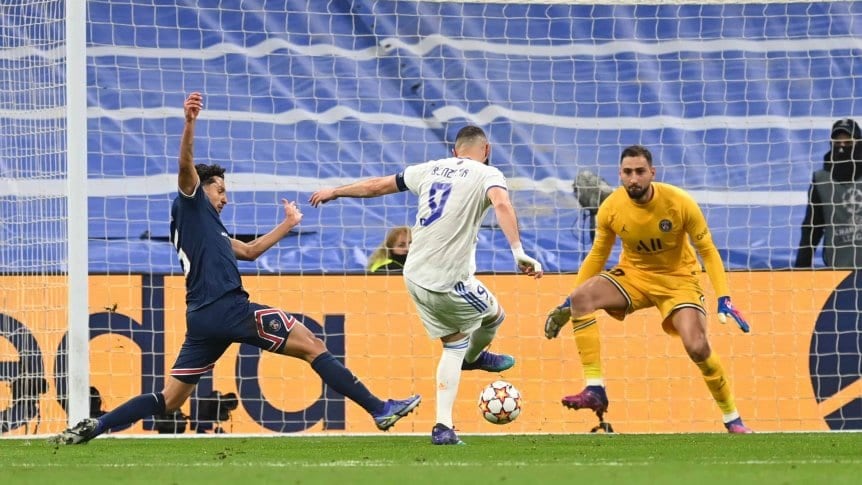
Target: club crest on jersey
[[665, 225], [274, 325]]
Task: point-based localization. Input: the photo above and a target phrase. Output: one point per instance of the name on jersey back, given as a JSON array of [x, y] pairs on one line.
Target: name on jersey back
[[450, 173]]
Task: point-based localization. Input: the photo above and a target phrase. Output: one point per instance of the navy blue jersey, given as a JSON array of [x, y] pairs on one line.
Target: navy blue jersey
[[204, 249]]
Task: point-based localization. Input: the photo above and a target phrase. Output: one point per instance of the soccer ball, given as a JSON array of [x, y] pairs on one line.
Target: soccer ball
[[500, 402]]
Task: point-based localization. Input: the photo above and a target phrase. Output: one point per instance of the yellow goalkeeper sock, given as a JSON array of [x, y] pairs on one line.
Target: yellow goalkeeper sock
[[589, 348], [718, 384]]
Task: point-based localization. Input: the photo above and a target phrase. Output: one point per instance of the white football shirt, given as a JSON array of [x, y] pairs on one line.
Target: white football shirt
[[452, 204]]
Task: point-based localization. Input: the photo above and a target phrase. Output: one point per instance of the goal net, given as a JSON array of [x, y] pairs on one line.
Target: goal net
[[736, 102], [42, 290]]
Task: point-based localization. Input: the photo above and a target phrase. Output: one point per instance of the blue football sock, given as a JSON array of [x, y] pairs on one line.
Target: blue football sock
[[340, 379], [132, 410]]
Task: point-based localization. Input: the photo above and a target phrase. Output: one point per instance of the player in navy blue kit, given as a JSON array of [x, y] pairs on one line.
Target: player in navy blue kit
[[218, 311]]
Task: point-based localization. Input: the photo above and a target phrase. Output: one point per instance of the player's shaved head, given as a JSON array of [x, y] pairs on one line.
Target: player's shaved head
[[470, 136]]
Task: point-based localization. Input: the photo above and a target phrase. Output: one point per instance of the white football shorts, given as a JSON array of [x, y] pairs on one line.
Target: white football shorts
[[461, 309]]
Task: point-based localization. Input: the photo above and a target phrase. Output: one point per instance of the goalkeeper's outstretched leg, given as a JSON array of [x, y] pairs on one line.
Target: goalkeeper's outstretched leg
[[594, 398]]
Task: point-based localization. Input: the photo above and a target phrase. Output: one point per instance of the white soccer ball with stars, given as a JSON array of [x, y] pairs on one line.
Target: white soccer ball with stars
[[500, 402]]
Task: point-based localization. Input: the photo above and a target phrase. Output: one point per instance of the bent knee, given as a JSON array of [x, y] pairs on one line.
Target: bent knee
[[582, 303], [173, 404], [316, 347], [175, 400], [699, 351], [304, 345]]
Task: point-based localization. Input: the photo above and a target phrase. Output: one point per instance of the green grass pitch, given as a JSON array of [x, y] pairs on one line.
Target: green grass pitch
[[691, 459]]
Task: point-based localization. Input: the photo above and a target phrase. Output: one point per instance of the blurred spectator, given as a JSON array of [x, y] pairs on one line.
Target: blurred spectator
[[834, 212], [392, 253], [591, 190]]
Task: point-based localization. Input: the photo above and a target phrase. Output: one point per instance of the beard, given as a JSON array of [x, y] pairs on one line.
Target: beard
[[636, 192]]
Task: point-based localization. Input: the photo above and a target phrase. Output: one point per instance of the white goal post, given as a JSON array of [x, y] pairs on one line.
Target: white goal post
[[44, 312]]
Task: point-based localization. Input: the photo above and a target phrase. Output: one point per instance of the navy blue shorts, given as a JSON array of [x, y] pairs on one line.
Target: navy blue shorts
[[233, 318]]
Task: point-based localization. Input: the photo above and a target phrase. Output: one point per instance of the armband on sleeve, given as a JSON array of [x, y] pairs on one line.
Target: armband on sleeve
[[399, 182]]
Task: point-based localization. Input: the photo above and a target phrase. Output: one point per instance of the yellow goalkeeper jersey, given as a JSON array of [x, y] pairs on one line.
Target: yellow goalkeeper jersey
[[656, 237]]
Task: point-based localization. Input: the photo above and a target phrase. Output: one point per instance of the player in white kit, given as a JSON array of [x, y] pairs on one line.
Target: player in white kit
[[454, 196]]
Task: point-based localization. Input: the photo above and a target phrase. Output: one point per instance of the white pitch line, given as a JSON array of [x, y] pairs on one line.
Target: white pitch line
[[230, 461]]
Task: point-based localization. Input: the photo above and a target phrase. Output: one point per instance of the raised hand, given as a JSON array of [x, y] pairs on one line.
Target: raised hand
[[292, 214], [193, 106]]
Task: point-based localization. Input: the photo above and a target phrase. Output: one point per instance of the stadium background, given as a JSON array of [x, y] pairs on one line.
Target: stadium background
[[735, 101]]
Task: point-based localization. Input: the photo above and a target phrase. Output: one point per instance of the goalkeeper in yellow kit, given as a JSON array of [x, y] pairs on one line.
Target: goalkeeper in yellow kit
[[657, 223]]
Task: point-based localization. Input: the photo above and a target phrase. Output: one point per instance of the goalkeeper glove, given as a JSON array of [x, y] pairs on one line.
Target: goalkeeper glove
[[525, 263], [558, 318], [725, 308]]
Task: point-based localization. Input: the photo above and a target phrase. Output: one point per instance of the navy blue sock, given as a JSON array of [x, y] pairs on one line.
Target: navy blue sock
[[132, 410], [339, 378]]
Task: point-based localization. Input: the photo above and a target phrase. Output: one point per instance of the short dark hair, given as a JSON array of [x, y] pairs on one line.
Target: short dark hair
[[207, 172], [637, 151], [469, 135]]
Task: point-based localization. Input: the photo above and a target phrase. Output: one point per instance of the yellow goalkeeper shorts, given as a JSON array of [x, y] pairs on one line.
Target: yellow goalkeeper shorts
[[668, 293]]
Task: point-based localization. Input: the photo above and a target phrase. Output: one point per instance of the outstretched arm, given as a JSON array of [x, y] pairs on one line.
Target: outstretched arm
[[508, 222], [188, 179], [372, 187], [249, 251]]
